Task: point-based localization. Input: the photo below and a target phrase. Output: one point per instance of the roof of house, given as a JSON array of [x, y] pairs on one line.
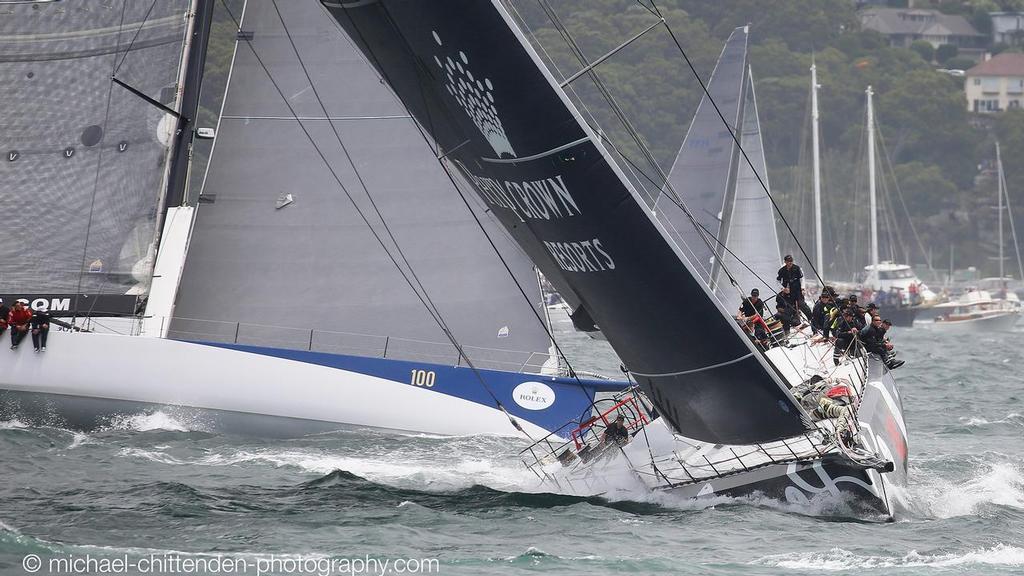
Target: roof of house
[[1005, 64], [916, 22]]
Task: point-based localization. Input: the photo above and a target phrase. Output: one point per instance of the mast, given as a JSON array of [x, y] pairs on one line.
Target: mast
[[871, 182], [192, 76], [999, 188], [816, 159]]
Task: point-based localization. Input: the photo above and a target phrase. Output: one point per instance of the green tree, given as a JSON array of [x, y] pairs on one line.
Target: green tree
[[946, 51], [924, 49]]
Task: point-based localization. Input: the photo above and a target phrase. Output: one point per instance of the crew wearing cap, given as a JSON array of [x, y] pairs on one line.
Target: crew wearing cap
[[18, 320], [790, 276], [753, 305]]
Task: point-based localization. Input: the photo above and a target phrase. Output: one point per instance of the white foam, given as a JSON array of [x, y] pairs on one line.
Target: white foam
[[419, 470], [148, 421], [975, 422], [999, 483], [838, 559], [12, 425]]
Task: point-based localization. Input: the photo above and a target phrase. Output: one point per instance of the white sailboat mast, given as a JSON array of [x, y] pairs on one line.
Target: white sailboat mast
[[871, 182], [816, 159], [999, 187]]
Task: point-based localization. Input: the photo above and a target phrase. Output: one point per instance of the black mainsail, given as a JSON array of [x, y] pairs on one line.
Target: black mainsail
[[311, 274], [471, 79], [84, 159]]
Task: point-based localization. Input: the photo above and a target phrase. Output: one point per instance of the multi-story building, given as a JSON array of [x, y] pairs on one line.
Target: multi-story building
[[1007, 28], [996, 84], [904, 26]]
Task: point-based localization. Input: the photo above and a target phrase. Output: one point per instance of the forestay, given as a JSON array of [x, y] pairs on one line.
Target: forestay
[[470, 78]]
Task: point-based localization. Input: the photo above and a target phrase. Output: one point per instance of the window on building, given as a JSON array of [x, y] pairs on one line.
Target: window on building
[[1014, 85], [990, 85], [977, 81], [1014, 104]]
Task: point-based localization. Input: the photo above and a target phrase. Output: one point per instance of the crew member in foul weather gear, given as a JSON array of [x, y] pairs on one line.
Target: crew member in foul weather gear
[[875, 342], [18, 320], [786, 314], [821, 320], [752, 306], [846, 334], [790, 276], [40, 327], [616, 431]]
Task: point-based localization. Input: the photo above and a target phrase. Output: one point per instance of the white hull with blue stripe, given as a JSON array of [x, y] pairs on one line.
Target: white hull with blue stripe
[[84, 380]]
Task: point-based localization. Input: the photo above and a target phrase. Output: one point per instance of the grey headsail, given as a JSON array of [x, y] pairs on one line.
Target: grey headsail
[[753, 257], [279, 255], [704, 169], [470, 77], [84, 159]]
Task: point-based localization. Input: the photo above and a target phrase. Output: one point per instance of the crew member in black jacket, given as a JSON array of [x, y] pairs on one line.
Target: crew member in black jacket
[[40, 328], [790, 276], [821, 320]]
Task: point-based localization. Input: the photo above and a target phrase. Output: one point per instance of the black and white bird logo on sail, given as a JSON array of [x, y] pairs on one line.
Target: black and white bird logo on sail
[[476, 96]]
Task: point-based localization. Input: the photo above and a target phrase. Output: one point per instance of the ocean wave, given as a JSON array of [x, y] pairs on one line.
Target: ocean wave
[[1013, 418], [410, 470], [933, 496], [13, 424], [149, 421], [838, 559]]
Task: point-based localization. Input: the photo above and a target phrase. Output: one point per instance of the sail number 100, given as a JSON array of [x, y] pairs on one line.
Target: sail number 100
[[424, 378]]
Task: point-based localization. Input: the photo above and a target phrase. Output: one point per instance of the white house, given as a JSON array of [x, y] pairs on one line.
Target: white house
[[996, 84]]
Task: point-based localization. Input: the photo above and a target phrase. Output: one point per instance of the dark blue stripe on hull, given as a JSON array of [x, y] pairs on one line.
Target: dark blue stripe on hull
[[570, 398]]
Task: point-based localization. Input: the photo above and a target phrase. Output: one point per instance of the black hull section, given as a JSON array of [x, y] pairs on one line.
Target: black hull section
[[831, 483], [474, 84], [903, 316]]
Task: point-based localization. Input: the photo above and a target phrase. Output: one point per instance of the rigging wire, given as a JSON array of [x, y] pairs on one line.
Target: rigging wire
[[899, 195], [134, 38], [451, 177], [706, 235], [1009, 213], [424, 298], [739, 146]]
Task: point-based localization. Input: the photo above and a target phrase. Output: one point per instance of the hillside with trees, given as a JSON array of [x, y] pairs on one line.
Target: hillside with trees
[[936, 148]]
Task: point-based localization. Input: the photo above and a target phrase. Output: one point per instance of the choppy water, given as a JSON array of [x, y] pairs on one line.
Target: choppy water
[[156, 485]]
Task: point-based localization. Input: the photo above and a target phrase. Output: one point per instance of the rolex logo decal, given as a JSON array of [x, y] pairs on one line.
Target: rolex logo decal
[[476, 96]]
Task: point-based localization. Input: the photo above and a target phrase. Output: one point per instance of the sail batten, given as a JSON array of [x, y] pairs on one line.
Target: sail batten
[[470, 77], [85, 155]]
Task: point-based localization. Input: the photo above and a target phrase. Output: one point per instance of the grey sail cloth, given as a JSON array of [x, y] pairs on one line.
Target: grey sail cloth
[[83, 159], [753, 257], [310, 274], [701, 173], [471, 76]]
